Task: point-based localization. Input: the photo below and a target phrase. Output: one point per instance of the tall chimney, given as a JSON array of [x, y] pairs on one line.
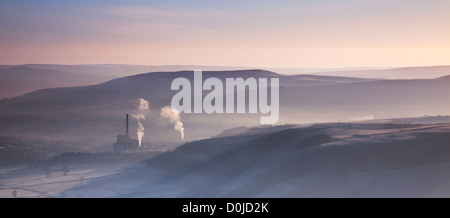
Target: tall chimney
[[127, 125]]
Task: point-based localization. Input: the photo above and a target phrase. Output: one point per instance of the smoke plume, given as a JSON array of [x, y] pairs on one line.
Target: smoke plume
[[173, 116], [362, 118], [140, 114]]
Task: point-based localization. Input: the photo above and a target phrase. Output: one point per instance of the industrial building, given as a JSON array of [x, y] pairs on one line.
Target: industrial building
[[124, 143]]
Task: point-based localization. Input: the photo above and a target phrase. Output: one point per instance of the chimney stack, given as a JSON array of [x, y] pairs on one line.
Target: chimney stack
[[127, 126]]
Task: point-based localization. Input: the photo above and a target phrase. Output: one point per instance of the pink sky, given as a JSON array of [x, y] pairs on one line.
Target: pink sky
[[346, 34]]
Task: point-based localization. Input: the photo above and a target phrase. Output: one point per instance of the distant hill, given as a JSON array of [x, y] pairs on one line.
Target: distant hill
[[17, 81], [430, 72], [93, 115], [20, 79]]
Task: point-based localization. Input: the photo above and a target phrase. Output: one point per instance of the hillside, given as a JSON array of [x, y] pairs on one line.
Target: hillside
[[324, 160], [93, 115]]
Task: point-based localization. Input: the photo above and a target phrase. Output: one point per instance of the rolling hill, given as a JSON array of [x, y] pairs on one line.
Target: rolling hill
[[92, 116]]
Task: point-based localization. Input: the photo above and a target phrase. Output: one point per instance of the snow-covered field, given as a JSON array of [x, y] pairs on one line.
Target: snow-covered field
[[86, 180], [324, 160]]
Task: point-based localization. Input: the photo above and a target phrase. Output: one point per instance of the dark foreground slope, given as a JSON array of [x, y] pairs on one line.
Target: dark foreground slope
[[335, 160], [327, 160]]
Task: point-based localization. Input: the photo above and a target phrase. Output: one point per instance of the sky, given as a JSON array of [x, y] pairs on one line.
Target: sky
[[282, 33]]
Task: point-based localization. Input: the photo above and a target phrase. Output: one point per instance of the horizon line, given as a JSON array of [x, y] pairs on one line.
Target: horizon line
[[235, 66]]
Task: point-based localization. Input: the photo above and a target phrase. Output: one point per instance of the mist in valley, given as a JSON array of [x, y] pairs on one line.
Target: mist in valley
[[336, 136]]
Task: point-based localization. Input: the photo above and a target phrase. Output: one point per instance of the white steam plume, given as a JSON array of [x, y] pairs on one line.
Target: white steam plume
[[362, 118], [173, 116], [140, 114]]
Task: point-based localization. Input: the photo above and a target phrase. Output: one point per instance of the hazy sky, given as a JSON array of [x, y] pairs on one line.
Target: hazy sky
[[282, 33]]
